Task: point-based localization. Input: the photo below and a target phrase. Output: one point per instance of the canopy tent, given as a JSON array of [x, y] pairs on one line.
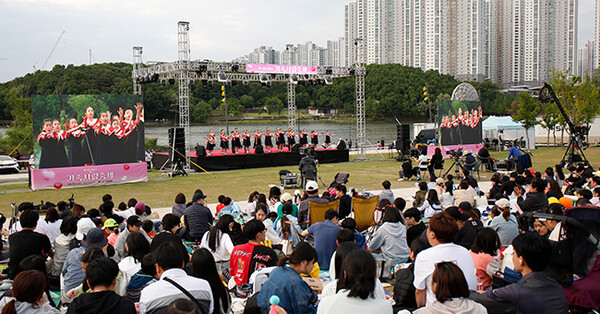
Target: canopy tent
[[495, 127]]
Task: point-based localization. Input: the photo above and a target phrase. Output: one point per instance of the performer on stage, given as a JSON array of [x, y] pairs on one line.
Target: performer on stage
[[268, 140], [103, 135], [257, 138], [74, 139], [280, 139], [130, 131], [246, 141], [224, 142], [89, 139], [303, 138], [210, 143], [236, 142], [59, 154], [291, 139], [328, 139], [314, 139], [117, 142], [44, 139]]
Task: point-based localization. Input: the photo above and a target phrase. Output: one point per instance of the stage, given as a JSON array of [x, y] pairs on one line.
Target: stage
[[218, 161]]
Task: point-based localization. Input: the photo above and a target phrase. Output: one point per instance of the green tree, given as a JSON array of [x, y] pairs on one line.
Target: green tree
[[200, 111], [20, 130], [247, 101], [274, 105], [549, 121], [525, 111]]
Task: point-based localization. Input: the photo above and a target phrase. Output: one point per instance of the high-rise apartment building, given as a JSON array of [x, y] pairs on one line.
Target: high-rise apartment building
[[264, 55], [505, 41], [289, 56], [586, 59]]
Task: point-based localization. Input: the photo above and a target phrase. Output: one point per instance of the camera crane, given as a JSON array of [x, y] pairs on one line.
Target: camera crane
[[577, 143]]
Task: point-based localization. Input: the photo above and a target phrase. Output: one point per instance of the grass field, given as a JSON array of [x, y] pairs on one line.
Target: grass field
[[160, 191]]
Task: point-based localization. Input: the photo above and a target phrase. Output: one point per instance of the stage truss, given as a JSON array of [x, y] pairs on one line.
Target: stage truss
[[208, 72]]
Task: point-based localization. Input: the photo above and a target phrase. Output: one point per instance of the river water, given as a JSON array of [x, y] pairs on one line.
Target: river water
[[374, 133]]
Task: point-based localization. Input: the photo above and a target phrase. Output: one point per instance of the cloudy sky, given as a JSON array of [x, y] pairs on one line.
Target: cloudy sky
[[219, 30]]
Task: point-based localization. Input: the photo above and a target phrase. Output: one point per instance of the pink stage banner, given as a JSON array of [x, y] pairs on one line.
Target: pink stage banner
[[75, 177], [474, 148], [281, 69]]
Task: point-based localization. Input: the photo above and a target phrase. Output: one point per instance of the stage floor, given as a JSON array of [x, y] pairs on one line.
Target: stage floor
[[218, 161]]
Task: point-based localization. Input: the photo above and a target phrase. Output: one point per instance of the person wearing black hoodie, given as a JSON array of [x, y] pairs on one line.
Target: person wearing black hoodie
[[101, 276]]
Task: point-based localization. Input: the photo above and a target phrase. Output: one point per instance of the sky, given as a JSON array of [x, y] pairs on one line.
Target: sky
[[219, 30]]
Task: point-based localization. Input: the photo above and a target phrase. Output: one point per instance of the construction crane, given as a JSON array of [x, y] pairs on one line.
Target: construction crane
[[50, 54]]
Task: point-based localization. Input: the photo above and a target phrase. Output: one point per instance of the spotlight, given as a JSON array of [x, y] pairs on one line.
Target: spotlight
[[155, 77], [235, 67], [263, 78], [306, 76], [328, 70], [328, 79], [163, 82], [245, 83], [203, 67], [222, 77], [294, 79], [351, 70], [171, 81]]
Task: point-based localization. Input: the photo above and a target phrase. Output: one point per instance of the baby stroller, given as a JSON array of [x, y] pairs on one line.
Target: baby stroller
[[408, 170], [341, 178], [575, 262]]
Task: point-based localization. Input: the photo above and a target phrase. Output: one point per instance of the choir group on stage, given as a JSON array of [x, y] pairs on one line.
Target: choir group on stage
[[461, 128], [243, 140], [96, 141]]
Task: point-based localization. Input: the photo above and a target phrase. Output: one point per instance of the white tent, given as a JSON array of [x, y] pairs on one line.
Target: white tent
[[495, 127]]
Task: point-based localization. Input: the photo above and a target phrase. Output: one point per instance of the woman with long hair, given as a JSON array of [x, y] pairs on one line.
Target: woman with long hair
[[485, 252], [447, 198], [137, 247], [431, 205], [53, 220], [203, 266], [553, 189], [559, 175], [390, 238], [295, 295], [252, 200], [287, 226], [356, 287], [179, 206], [451, 292], [68, 228], [28, 294], [218, 242], [505, 225]]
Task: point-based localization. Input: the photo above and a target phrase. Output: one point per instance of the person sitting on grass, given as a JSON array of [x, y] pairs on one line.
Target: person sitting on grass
[[325, 237], [249, 257], [485, 251], [359, 238], [295, 295], [101, 275], [451, 292], [404, 290], [421, 194], [390, 238], [535, 292], [356, 288], [28, 294], [143, 278]]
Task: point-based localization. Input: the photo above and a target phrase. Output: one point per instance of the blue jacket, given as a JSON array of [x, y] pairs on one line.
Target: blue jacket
[[72, 271], [295, 296]]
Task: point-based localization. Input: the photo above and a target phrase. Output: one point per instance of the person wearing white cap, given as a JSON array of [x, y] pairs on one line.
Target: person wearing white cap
[[312, 189], [72, 272], [506, 224], [287, 197]]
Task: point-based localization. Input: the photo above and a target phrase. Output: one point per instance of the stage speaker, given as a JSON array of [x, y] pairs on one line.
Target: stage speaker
[[177, 141], [259, 149], [403, 138]]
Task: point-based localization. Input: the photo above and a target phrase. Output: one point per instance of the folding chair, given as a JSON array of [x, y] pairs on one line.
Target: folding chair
[[316, 211], [438, 165], [364, 209]]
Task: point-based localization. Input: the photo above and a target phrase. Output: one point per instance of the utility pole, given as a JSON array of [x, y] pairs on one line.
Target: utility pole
[[224, 100]]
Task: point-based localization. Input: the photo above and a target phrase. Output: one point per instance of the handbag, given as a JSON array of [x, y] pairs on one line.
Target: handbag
[[201, 308], [287, 246]]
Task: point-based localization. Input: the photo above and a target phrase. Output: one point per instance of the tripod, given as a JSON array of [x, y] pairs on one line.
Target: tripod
[[456, 162], [178, 168]]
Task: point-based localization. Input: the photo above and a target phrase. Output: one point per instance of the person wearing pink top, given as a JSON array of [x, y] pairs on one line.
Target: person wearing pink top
[[487, 258]]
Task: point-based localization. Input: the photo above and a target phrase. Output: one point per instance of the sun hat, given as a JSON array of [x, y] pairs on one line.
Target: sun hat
[[553, 200], [110, 223], [503, 203], [95, 238], [286, 197], [84, 225]]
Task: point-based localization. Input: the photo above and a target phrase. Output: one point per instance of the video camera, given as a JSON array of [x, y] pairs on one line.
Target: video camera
[[455, 153]]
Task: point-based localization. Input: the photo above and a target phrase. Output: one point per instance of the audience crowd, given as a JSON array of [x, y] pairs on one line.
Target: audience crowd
[[445, 250]]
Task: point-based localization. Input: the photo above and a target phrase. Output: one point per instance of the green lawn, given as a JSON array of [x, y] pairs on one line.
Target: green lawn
[[160, 191]]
